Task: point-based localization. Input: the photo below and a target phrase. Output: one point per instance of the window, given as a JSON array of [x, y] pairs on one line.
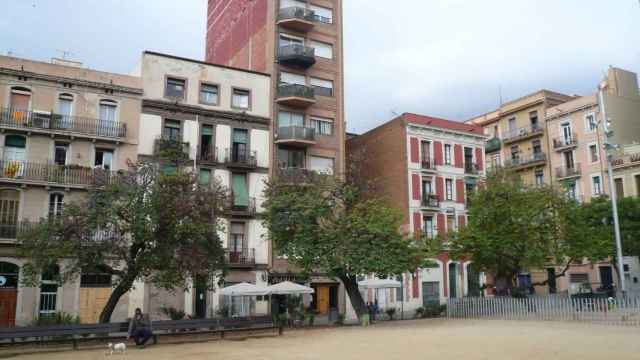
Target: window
[[323, 50], [240, 190], [591, 122], [447, 154], [449, 189], [572, 191], [619, 184], [56, 204], [469, 189], [291, 3], [20, 99], [206, 143], [286, 119], [593, 153], [637, 178], [237, 239], [290, 78], [49, 290], [9, 207], [104, 159], [539, 177], [568, 160], [291, 158], [515, 153], [60, 153], [65, 109], [512, 125], [425, 151], [533, 119], [240, 146], [241, 99], [451, 223], [14, 153], [321, 165], [567, 137], [209, 94], [496, 161], [322, 87], [175, 88], [108, 118], [596, 187], [322, 14], [496, 133], [536, 146], [171, 130], [426, 188], [579, 278], [322, 126], [204, 177], [428, 226], [95, 280]]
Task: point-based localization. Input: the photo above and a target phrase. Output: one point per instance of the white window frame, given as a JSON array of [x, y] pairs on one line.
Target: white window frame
[[314, 43], [446, 190], [593, 192], [589, 145], [587, 127], [448, 158], [323, 120]]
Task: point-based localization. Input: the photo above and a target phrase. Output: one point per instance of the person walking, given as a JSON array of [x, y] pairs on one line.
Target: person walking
[[140, 328]]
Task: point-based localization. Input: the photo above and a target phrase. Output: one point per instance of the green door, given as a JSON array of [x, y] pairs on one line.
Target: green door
[[453, 280], [430, 293]]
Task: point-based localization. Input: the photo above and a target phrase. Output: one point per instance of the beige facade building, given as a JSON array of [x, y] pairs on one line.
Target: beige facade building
[[60, 123]]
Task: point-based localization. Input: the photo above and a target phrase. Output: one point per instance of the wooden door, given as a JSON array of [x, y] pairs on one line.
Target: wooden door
[[8, 300], [323, 299], [92, 301]]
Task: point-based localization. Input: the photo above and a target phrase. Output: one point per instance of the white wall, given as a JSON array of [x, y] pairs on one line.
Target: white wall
[[150, 129], [257, 184], [260, 143], [223, 139], [190, 135]]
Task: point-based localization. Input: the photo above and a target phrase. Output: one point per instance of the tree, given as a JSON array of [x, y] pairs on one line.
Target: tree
[[147, 223], [325, 224], [598, 214], [513, 227]]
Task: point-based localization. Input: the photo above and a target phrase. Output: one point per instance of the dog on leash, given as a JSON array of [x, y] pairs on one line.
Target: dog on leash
[[119, 347]]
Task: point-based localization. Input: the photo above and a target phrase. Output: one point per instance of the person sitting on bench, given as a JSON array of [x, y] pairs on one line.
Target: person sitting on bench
[[140, 328]]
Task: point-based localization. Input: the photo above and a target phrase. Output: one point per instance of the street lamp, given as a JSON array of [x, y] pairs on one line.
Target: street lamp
[[608, 147]]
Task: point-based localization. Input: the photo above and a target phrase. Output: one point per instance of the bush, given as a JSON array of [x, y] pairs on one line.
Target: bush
[[391, 313], [58, 318], [173, 313], [430, 311], [340, 320]]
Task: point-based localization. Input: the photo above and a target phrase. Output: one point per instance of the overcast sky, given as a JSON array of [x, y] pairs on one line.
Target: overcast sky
[[446, 58]]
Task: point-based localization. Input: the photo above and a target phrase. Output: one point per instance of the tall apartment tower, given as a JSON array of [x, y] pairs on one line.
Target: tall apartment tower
[[300, 44]]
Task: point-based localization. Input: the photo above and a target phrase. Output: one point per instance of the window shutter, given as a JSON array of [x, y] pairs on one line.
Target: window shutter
[[290, 78], [240, 192], [417, 223], [240, 136], [457, 155], [445, 279], [416, 289], [460, 191], [440, 220], [437, 149], [461, 221], [415, 185], [415, 151], [479, 158], [440, 188]]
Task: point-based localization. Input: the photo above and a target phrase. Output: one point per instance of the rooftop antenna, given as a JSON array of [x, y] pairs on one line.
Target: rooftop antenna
[[65, 54]]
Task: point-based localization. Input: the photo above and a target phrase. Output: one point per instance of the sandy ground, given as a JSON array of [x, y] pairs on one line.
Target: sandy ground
[[407, 340]]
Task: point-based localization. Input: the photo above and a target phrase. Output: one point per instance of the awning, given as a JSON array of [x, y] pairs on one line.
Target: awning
[[244, 289], [289, 288], [379, 284]]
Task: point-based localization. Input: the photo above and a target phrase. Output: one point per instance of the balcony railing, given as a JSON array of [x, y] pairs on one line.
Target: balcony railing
[[242, 257], [297, 55], [209, 155], [492, 145], [296, 90], [522, 133], [296, 134], [428, 164], [297, 18], [12, 231], [241, 158], [49, 122], [564, 142], [430, 201], [566, 172], [296, 175], [523, 161], [67, 175], [168, 147], [247, 209], [471, 168]]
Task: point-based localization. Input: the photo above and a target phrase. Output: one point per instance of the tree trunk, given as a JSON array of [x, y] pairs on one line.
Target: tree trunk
[[351, 286], [123, 287]]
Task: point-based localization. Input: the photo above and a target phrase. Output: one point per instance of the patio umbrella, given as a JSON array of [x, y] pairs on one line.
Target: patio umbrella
[[379, 284], [244, 289], [289, 288]]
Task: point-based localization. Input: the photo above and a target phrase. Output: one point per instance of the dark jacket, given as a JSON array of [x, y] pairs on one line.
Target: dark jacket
[[144, 323]]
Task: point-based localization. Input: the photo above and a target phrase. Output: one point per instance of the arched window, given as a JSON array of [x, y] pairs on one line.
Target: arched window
[[9, 275], [9, 209], [56, 204], [49, 290]]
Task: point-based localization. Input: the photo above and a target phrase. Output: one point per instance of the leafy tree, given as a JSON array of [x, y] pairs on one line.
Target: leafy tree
[[328, 225], [513, 227], [598, 215], [144, 224]]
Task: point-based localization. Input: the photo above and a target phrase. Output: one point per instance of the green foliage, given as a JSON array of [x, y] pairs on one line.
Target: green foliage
[[144, 225], [391, 313], [340, 319], [58, 318], [598, 215], [430, 311], [173, 313], [513, 227]]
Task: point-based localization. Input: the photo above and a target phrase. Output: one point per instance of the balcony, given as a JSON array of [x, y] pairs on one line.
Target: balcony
[[564, 172], [430, 202], [12, 231], [295, 95], [247, 210], [523, 162], [297, 18], [428, 165], [471, 168], [492, 145], [564, 143], [63, 125], [241, 257], [76, 176], [296, 135], [297, 56], [208, 156], [171, 148], [522, 134], [243, 159], [297, 175]]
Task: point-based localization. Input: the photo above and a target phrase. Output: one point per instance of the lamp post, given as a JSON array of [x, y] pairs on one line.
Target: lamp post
[[614, 206]]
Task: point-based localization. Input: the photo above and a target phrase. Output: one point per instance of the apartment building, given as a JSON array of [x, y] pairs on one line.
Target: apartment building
[[60, 125], [300, 44], [219, 117], [426, 167], [519, 135]]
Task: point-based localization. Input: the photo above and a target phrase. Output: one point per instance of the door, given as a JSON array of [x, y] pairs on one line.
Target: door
[[201, 298], [92, 301], [551, 280], [568, 160], [240, 153], [473, 281], [8, 294], [566, 133], [20, 105], [453, 280], [322, 299], [606, 277], [430, 293]]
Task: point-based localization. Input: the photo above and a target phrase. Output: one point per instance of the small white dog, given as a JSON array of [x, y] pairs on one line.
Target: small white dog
[[119, 347]]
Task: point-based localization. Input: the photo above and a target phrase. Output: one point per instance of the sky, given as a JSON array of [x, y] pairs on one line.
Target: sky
[[447, 58]]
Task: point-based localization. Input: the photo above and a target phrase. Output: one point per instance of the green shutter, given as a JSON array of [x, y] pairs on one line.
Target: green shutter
[[207, 130], [169, 169], [240, 136], [204, 177], [15, 141], [240, 192]]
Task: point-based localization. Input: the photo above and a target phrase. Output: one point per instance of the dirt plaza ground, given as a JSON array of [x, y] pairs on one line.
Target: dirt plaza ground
[[420, 339]]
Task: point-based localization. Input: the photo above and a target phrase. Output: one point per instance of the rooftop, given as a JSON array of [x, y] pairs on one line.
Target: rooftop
[[442, 123], [147, 52]]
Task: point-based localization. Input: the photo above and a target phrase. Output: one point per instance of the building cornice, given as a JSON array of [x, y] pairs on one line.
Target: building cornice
[[571, 111], [443, 131]]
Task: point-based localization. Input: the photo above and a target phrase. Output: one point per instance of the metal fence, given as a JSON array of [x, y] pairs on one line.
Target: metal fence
[[620, 311]]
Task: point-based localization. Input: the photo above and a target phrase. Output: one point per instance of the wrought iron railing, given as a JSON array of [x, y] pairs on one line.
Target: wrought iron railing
[[296, 90], [430, 201], [244, 158], [296, 54], [241, 256], [296, 133], [516, 134], [471, 168], [56, 174], [34, 120], [428, 164], [492, 145], [209, 155], [564, 172], [296, 12], [295, 175], [166, 146], [562, 142], [248, 208], [525, 160]]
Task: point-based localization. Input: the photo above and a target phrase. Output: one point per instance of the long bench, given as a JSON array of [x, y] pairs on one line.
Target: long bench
[[118, 331]]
